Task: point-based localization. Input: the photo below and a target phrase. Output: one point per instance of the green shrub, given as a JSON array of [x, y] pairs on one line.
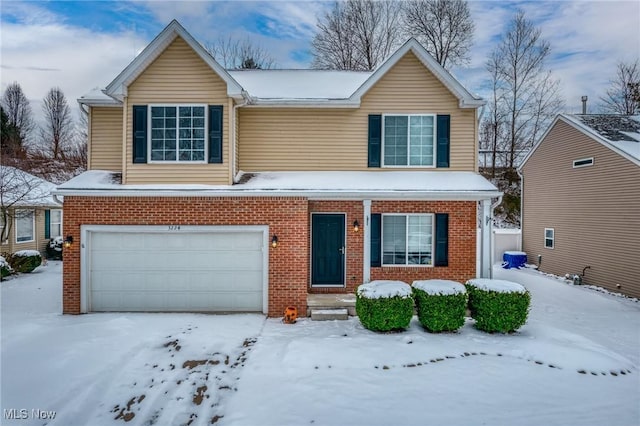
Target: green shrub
[[441, 304], [498, 306], [5, 268], [25, 261], [384, 305]]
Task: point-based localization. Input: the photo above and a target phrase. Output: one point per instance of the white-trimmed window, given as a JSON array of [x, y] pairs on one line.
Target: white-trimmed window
[[407, 239], [549, 237], [178, 133], [25, 226], [583, 162], [409, 140], [55, 223]]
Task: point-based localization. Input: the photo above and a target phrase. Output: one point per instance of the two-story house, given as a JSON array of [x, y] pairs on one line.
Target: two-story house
[[216, 190]]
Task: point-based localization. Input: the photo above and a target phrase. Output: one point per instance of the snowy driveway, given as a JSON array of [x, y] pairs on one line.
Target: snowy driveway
[[575, 362]]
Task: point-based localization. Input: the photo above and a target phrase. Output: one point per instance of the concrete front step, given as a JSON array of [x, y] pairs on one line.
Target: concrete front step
[[329, 314], [332, 301]]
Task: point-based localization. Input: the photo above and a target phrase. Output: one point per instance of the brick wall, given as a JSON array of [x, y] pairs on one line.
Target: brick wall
[[286, 217], [462, 241]]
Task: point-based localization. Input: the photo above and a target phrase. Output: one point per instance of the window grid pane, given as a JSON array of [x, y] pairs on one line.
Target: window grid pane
[[24, 226], [178, 133], [394, 240], [420, 240], [409, 140], [395, 140]]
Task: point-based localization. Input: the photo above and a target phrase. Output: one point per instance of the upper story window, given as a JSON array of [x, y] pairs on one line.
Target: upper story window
[[409, 140], [178, 133]]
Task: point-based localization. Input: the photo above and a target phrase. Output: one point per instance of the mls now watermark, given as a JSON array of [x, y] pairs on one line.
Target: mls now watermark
[[24, 414]]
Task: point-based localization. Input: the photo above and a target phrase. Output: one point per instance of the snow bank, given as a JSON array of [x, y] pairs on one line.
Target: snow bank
[[27, 253], [3, 262], [439, 287], [500, 286], [384, 289]]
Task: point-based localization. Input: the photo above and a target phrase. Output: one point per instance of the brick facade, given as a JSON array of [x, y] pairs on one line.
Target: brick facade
[[287, 217]]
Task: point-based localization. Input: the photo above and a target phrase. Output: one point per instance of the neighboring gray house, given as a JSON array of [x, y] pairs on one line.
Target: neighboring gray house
[[581, 200]]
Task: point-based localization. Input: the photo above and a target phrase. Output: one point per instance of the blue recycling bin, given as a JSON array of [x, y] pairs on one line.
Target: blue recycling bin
[[514, 259]]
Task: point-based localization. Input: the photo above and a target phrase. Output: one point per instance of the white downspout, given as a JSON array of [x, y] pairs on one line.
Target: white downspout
[[366, 258], [490, 255], [234, 136]]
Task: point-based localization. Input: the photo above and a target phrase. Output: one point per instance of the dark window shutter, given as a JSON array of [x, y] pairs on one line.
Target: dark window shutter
[[443, 149], [215, 133], [47, 224], [376, 239], [375, 140], [140, 133], [442, 240]]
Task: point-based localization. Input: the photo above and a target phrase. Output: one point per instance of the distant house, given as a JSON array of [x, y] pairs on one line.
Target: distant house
[[581, 200], [29, 215]]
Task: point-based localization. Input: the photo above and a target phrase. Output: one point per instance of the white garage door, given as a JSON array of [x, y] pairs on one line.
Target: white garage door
[[178, 271]]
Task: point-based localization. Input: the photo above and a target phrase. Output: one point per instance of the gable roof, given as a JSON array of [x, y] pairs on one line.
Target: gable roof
[[619, 133], [21, 189], [118, 87], [465, 98], [282, 87]]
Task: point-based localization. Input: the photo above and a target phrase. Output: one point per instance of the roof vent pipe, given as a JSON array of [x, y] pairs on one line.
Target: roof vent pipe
[[584, 105]]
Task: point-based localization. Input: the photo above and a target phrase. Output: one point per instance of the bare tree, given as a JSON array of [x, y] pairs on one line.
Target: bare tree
[[18, 188], [18, 112], [444, 27], [357, 35], [236, 54], [623, 95], [527, 92], [57, 132]]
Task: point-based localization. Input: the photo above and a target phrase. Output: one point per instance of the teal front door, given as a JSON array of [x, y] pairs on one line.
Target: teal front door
[[327, 249]]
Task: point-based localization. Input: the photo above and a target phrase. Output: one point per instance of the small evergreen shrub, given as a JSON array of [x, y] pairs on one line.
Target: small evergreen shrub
[[25, 261], [54, 248], [5, 268], [441, 304], [497, 305], [384, 305]]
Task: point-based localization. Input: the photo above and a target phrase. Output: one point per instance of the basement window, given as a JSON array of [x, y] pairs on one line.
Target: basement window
[[583, 162]]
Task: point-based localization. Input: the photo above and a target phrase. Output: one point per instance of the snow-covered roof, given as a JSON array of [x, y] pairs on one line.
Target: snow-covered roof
[[300, 84], [434, 185], [97, 97], [620, 133], [282, 87], [21, 189]]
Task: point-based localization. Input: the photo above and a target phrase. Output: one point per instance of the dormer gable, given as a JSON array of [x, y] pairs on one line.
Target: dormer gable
[[118, 87]]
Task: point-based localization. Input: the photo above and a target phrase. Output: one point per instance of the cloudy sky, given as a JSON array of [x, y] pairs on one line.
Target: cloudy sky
[[79, 45]]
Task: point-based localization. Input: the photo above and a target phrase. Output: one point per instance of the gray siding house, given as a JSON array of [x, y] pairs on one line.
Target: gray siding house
[[581, 200]]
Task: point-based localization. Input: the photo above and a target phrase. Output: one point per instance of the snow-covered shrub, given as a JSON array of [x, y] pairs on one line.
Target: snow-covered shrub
[[5, 268], [384, 305], [25, 261], [441, 304], [497, 305], [54, 248]]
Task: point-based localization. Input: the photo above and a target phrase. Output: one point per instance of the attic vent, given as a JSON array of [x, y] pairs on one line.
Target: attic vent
[[583, 162]]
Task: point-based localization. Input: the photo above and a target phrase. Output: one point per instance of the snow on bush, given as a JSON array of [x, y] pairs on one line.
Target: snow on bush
[[441, 304], [498, 305], [25, 261], [54, 248], [5, 268], [384, 305]]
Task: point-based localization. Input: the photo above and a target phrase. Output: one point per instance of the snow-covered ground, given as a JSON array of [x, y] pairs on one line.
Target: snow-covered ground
[[574, 362]]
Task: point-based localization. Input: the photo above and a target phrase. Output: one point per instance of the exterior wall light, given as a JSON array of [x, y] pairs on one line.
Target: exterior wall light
[[68, 242], [274, 241], [356, 226]]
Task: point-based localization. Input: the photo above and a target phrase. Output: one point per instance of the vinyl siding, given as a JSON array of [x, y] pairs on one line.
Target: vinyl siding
[[39, 243], [105, 148], [177, 76], [594, 210], [293, 139]]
